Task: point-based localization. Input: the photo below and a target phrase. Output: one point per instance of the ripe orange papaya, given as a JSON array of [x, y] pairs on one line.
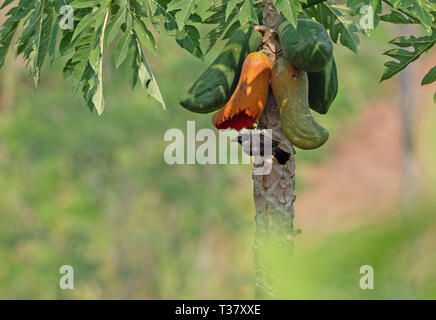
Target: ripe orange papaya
[[290, 87], [250, 97]]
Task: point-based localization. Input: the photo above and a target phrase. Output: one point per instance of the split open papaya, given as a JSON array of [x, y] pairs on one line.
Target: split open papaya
[[216, 85], [250, 96], [290, 87]]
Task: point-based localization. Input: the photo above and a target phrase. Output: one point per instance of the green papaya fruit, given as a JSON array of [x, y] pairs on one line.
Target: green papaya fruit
[[216, 85], [290, 88], [308, 47], [323, 87]]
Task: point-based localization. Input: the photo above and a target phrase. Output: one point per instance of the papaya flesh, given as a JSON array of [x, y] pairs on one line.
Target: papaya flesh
[[290, 88], [250, 97], [308, 47], [323, 88], [216, 85]]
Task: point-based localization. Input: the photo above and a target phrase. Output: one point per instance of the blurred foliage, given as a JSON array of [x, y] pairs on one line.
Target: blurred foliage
[[401, 253], [95, 193]]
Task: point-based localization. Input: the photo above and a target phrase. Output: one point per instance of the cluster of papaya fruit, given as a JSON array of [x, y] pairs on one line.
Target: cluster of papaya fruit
[[237, 83]]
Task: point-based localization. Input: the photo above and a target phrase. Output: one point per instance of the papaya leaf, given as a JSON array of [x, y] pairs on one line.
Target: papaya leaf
[[358, 5], [122, 47], [396, 17], [248, 13], [9, 28], [430, 77], [223, 24], [82, 4], [220, 16], [226, 22], [189, 39], [230, 8], [419, 9], [290, 9], [88, 21], [144, 35], [405, 57], [52, 45], [334, 20], [184, 8], [86, 64], [230, 30], [115, 23], [140, 70], [6, 3], [35, 37]]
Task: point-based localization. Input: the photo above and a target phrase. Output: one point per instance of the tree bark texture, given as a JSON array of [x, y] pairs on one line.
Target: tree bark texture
[[274, 193]]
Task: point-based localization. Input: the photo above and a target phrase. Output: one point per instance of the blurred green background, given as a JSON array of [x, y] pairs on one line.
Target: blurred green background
[[95, 193]]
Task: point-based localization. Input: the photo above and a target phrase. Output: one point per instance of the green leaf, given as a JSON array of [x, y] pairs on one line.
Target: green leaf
[[65, 45], [142, 71], [290, 9], [340, 28], [430, 77], [226, 26], [115, 23], [9, 27], [82, 4], [88, 21], [405, 57], [420, 9], [6, 3], [53, 37], [86, 64], [358, 5], [189, 39], [248, 13], [396, 17], [122, 47], [34, 40], [230, 30], [144, 35], [434, 98], [231, 6], [184, 10]]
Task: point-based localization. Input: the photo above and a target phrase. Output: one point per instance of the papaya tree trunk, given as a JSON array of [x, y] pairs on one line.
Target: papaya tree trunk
[[273, 193]]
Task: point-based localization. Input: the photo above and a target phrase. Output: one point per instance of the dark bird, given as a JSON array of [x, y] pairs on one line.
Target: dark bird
[[251, 148]]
